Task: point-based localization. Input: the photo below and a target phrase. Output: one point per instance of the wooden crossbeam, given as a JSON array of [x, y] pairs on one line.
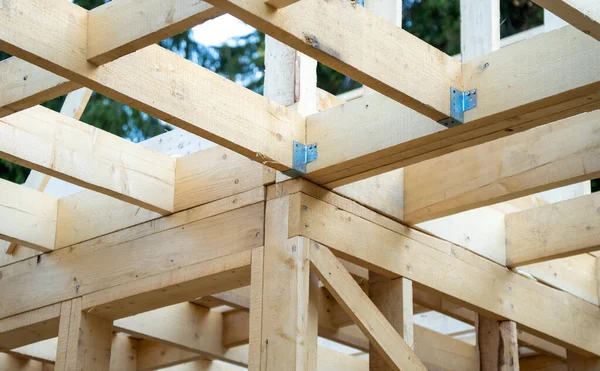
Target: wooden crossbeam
[[583, 14], [27, 217], [547, 157], [557, 230], [111, 36], [357, 304], [69, 274], [86, 156], [416, 74], [239, 119], [380, 136], [26, 85], [523, 300]]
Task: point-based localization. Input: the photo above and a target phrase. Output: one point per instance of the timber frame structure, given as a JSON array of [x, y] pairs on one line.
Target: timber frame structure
[[193, 251]]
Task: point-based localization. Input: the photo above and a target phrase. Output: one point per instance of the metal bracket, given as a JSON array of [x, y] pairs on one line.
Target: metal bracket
[[460, 101], [303, 154]]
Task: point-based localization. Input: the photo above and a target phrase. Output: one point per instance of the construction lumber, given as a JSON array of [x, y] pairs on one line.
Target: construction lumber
[[402, 76], [577, 362], [391, 346], [550, 156], [203, 233], [278, 4], [152, 355], [479, 28], [11, 362], [497, 342], [542, 363], [89, 157], [84, 340], [27, 217], [73, 106], [394, 299], [582, 14], [110, 35], [186, 326], [239, 119], [289, 302], [25, 85], [553, 231], [459, 274], [528, 104]]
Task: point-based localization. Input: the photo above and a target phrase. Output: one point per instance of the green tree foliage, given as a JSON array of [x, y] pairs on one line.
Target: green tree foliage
[[241, 59]]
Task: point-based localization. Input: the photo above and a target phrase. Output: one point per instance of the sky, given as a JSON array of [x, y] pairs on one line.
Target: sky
[[216, 31]]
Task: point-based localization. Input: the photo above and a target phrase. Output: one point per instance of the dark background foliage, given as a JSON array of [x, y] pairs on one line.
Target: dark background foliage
[[242, 60]]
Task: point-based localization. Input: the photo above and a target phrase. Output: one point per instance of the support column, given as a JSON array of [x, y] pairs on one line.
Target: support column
[[84, 341], [498, 346], [393, 297], [479, 28], [288, 303]]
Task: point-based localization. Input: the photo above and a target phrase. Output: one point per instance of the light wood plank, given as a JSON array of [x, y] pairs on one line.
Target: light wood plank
[[401, 76], [278, 4], [123, 353], [27, 216], [84, 340], [553, 231], [207, 232], [459, 274], [155, 81], [25, 85], [186, 326], [9, 362], [110, 31], [479, 28], [539, 159], [497, 342], [584, 15], [86, 156], [356, 303], [152, 355]]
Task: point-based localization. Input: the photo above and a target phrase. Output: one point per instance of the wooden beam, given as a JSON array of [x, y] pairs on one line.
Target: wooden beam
[[11, 362], [396, 352], [525, 104], [553, 231], [512, 167], [403, 76], [577, 362], [240, 120], [278, 4], [186, 326], [459, 274], [73, 106], [497, 342], [289, 309], [393, 297], [27, 217], [110, 35], [68, 149], [580, 13], [152, 355], [72, 272], [26, 85], [84, 340]]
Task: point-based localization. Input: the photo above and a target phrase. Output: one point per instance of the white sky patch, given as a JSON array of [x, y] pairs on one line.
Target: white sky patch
[[217, 31]]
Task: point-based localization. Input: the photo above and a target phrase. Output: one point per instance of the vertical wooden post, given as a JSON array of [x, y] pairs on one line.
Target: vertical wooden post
[[84, 341], [393, 297], [289, 309], [123, 353], [479, 28], [498, 347]]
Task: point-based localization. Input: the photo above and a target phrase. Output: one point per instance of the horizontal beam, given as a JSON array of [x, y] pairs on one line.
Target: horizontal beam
[[415, 74], [25, 85], [84, 155], [110, 35], [553, 231], [463, 276], [27, 217], [382, 136], [543, 158], [583, 14], [207, 232], [155, 81]]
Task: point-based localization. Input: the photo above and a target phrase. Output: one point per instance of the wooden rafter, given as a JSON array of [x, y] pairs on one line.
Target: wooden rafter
[[583, 14]]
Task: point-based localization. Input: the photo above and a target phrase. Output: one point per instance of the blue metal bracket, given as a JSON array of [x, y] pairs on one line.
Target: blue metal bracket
[[460, 101], [303, 154]]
